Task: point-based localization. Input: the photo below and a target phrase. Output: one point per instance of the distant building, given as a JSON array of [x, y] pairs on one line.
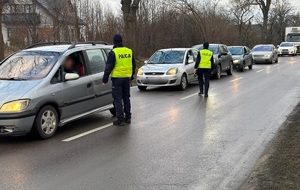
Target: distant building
[[39, 21]]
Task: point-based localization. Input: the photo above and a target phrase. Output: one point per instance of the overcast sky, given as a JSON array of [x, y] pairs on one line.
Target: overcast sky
[[295, 3]]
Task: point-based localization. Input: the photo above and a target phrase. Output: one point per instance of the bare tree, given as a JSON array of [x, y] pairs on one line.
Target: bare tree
[[241, 10], [129, 8], [265, 8], [1, 37]]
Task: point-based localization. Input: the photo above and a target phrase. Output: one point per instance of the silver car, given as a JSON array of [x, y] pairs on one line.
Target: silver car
[[265, 53], [168, 67], [38, 95]]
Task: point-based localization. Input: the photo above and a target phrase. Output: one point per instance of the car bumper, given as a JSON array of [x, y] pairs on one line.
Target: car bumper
[[238, 65], [286, 53], [161, 80], [262, 60], [16, 124]]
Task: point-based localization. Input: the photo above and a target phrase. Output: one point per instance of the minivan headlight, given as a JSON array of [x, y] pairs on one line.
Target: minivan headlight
[[236, 61], [172, 71], [15, 106]]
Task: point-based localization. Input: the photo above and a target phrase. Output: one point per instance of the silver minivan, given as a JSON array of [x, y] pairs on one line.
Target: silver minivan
[[38, 94]]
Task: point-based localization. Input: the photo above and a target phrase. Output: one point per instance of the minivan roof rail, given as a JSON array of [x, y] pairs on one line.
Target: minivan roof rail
[[88, 42], [41, 44]]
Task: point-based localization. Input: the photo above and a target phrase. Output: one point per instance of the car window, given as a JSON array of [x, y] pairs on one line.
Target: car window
[[28, 65], [167, 57], [57, 78], [96, 60], [213, 48], [262, 48], [195, 54], [74, 63], [190, 56], [222, 49], [236, 50]]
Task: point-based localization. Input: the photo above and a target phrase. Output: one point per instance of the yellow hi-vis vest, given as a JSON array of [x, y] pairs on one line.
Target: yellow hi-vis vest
[[205, 62], [123, 66]]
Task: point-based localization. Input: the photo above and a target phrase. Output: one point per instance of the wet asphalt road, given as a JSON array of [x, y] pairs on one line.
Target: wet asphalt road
[[177, 140]]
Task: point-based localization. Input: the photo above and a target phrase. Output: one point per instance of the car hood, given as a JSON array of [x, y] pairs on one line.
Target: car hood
[[14, 90], [237, 57], [159, 67], [262, 52]]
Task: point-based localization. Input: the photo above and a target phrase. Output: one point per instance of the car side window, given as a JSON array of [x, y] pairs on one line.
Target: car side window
[[222, 49], [57, 78], [190, 57], [74, 63], [96, 60]]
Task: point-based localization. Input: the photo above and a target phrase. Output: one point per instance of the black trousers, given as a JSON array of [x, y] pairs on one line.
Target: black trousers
[[203, 78], [121, 95]]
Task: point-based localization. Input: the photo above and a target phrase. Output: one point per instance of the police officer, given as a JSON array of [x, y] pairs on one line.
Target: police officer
[[121, 66], [203, 68]]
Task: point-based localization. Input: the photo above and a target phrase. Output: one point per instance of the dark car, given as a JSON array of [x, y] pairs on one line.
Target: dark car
[[242, 57], [222, 57]]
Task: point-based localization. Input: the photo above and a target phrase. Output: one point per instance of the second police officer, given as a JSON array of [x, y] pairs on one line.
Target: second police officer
[[203, 68]]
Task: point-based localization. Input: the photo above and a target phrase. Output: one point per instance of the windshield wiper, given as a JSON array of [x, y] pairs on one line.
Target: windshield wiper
[[13, 78]]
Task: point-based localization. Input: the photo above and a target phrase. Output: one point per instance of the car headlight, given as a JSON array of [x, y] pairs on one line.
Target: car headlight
[[140, 71], [172, 71], [267, 55], [236, 61], [15, 106]]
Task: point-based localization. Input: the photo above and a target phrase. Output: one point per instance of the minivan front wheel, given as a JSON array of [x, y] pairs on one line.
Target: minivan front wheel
[[46, 123]]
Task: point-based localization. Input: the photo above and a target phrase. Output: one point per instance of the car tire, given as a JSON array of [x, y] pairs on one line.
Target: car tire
[[243, 67], [230, 70], [142, 88], [113, 110], [46, 123], [183, 83], [217, 75]]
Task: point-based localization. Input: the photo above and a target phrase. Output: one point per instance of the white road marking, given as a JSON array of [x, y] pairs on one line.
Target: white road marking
[[260, 71], [87, 133], [184, 98], [276, 65], [236, 79]]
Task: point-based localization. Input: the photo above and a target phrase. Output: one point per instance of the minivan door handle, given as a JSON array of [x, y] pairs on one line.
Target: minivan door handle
[[89, 85]]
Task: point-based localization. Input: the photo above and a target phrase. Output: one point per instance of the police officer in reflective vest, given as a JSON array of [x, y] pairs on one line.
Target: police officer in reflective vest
[[203, 68], [121, 66]]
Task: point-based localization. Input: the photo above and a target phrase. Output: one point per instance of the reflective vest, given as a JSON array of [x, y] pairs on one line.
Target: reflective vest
[[205, 62], [123, 66]]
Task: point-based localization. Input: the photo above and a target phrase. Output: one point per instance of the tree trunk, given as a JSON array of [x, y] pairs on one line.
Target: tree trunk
[[1, 36], [265, 8], [129, 8]]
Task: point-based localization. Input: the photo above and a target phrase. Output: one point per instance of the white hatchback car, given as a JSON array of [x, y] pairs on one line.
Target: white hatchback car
[[168, 67]]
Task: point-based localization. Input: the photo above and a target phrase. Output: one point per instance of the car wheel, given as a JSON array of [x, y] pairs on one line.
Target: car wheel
[[219, 72], [46, 123], [242, 69], [113, 110], [142, 88], [183, 82], [230, 70]]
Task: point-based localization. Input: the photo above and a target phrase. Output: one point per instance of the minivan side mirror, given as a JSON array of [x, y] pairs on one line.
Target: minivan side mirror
[[224, 53], [71, 76], [146, 62]]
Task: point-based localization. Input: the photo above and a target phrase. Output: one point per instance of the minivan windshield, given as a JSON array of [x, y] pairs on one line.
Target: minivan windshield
[[262, 48], [236, 50], [213, 48], [167, 57], [286, 44], [28, 65]]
